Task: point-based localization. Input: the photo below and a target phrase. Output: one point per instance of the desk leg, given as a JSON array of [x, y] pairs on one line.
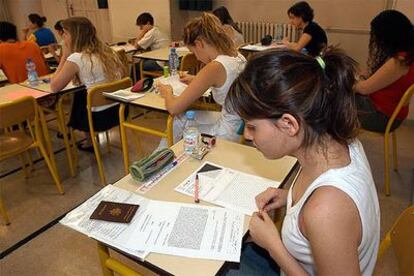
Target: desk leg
[[103, 253], [63, 129], [134, 70], [170, 134], [47, 140], [124, 141]]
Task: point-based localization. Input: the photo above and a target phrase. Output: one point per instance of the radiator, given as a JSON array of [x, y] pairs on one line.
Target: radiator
[[253, 32]]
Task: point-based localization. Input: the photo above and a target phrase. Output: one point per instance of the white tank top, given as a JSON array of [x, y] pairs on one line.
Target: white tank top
[[356, 181], [229, 122]]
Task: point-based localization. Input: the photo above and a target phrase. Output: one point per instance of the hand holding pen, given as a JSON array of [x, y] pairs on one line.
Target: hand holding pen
[[271, 199]]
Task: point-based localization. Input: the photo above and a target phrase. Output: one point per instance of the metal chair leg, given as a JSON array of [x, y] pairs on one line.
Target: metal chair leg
[[394, 150], [387, 164], [4, 212]]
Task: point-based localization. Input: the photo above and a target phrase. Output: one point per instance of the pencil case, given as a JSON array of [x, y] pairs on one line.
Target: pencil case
[[142, 169]]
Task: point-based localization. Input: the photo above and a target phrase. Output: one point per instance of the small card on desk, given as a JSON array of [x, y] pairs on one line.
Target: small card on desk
[[114, 211]]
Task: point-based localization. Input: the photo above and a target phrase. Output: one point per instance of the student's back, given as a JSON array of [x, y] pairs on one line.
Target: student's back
[[13, 58], [43, 37]]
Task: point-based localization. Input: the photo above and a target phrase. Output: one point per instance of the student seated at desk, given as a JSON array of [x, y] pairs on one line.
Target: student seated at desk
[[87, 61], [391, 69], [54, 47], [14, 54], [313, 39], [41, 35], [151, 38], [296, 105], [207, 39], [231, 28]]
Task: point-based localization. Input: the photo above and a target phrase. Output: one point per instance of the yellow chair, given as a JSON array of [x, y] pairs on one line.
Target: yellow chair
[[190, 63], [17, 142], [405, 101], [95, 98], [401, 238], [144, 73], [110, 265]]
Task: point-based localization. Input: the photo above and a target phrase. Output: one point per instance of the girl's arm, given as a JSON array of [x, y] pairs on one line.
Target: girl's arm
[[298, 46], [388, 73], [264, 233], [330, 221], [213, 74], [64, 73]]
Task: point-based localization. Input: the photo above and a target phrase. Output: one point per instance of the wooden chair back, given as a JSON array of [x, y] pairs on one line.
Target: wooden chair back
[[95, 96], [18, 111], [401, 238]]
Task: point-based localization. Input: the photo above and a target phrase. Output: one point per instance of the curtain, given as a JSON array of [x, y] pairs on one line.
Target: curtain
[[4, 11]]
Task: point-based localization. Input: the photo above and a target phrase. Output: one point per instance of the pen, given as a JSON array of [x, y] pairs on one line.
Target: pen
[[196, 190]]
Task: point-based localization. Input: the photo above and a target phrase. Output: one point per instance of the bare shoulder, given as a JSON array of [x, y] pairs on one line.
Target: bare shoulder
[[214, 71], [330, 209]]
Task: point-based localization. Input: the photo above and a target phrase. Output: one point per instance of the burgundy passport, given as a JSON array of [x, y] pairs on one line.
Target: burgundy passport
[[114, 211]]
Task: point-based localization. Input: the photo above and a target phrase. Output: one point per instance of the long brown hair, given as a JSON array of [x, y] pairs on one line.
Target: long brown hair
[[85, 40], [209, 28], [391, 33], [321, 99]]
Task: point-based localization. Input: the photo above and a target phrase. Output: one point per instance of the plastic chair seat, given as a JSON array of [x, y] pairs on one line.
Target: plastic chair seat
[[14, 143]]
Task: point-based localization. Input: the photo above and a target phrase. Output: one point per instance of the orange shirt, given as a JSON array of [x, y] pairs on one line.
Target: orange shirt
[[13, 58]]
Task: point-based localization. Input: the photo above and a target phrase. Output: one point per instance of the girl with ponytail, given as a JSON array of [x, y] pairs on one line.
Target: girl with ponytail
[[36, 31], [207, 39], [301, 106]]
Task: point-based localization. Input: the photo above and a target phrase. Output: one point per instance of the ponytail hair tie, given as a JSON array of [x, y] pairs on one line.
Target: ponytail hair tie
[[321, 62]]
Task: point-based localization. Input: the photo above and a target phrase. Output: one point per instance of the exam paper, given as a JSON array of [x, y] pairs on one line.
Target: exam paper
[[177, 86], [228, 188], [111, 233], [190, 230]]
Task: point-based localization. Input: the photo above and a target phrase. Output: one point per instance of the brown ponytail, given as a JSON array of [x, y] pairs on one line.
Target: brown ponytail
[[208, 27], [318, 95]]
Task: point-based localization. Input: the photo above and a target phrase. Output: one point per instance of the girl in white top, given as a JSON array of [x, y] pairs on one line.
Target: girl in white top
[[304, 107], [206, 38], [88, 61], [229, 26]]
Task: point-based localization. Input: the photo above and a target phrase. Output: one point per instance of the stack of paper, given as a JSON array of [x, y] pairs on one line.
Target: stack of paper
[[177, 86], [164, 227], [226, 187], [259, 48], [124, 95]]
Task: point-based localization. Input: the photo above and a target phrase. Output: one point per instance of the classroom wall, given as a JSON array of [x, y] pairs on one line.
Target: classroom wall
[[20, 9], [123, 14], [54, 10]]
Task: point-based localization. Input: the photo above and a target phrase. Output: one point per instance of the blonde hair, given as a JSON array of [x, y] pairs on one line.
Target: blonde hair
[[209, 28], [85, 40]]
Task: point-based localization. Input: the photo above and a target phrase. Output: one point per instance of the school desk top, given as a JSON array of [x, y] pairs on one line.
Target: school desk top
[[162, 54], [15, 91], [232, 155]]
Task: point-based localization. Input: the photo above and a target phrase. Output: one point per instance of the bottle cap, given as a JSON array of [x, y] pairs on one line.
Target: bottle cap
[[190, 114]]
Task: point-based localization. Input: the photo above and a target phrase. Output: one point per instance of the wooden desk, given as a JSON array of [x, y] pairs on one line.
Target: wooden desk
[[128, 48], [228, 154], [15, 91], [150, 101], [161, 54]]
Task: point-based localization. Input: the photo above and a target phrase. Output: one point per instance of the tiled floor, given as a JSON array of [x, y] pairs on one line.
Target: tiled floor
[[34, 202]]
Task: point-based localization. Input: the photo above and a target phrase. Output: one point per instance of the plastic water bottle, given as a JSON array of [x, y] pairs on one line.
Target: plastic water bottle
[[191, 134], [32, 76], [173, 61]]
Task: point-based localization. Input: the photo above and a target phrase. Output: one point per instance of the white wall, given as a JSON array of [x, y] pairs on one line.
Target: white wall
[[123, 15], [20, 9]]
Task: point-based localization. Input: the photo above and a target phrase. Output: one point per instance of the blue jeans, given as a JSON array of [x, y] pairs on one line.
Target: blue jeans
[[254, 261]]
